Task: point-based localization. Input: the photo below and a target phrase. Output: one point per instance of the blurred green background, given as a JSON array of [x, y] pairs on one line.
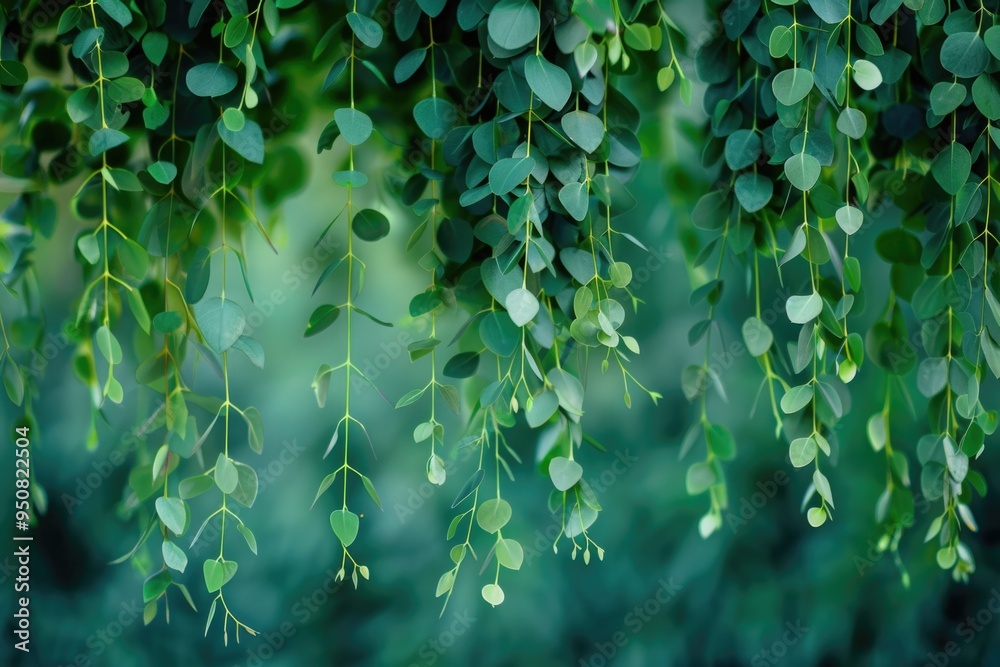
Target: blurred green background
[[765, 590]]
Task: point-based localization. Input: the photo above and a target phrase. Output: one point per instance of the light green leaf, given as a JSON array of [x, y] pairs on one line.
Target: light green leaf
[[804, 309], [345, 526], [792, 85], [802, 451], [522, 306], [227, 477], [211, 80], [435, 117], [951, 167], [493, 594], [867, 75], [584, 129], [802, 170], [174, 513], [354, 125], [757, 336], [493, 514], [508, 173], [549, 82], [513, 24], [964, 54], [564, 472], [221, 322]]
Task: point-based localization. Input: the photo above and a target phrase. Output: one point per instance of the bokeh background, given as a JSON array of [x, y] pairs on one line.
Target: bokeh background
[[765, 590]]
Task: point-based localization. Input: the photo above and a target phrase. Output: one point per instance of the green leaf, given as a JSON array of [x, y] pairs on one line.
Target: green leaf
[[754, 191], [370, 225], [221, 322], [951, 167], [12, 73], [154, 45], [227, 477], [236, 31], [493, 594], [105, 139], [802, 451], [522, 306], [822, 485], [108, 345], [345, 526], [791, 86], [321, 319], [86, 41], [946, 96], [462, 365], [964, 54], [797, 398], [233, 119], [867, 75], [664, 78], [155, 585], [620, 274], [218, 573], [470, 487], [173, 556], [355, 126], [720, 442], [575, 198], [804, 309], [584, 129], [134, 258], [118, 12], [253, 350], [248, 141], [246, 486], [193, 487], [700, 477], [829, 11], [409, 64], [211, 80], [542, 407], [174, 514], [510, 554], [435, 117], [743, 147], [850, 219], [869, 40], [757, 336], [816, 516], [513, 24], [986, 96], [802, 170], [932, 376], [89, 247], [852, 122], [370, 488], [365, 29], [126, 89], [248, 535], [564, 473], [198, 275], [493, 514], [162, 172], [508, 173], [550, 83]]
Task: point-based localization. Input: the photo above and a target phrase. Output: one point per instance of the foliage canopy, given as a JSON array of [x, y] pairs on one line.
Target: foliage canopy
[[517, 129]]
